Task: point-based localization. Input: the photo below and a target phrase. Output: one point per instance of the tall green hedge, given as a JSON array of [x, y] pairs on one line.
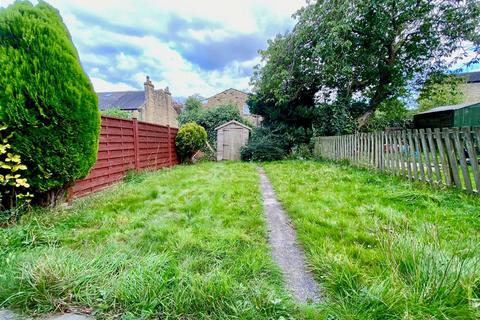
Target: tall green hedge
[[46, 98]]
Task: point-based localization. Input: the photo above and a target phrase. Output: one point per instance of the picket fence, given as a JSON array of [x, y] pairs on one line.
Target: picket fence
[[440, 157]]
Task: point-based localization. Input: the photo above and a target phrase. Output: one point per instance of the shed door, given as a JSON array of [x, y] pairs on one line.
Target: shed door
[[232, 142]]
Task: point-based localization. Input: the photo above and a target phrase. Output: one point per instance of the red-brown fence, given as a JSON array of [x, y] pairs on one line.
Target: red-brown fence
[[127, 145]]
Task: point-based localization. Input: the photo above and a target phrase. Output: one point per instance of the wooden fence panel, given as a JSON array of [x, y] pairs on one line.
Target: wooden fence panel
[[126, 145], [444, 157]]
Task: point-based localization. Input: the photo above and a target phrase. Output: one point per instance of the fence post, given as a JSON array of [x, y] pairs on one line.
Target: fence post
[[135, 144], [169, 146]]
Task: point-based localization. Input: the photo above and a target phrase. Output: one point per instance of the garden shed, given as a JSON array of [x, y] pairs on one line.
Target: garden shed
[[231, 136], [461, 115]]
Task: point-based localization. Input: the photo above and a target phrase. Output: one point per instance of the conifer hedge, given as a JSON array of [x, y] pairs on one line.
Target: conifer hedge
[[46, 98]]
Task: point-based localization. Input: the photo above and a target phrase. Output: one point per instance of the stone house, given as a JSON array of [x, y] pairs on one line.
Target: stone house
[[471, 87], [237, 98], [150, 105]]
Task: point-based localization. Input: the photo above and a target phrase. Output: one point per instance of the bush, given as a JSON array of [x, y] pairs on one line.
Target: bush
[[117, 112], [263, 146], [301, 152], [190, 138], [13, 186], [46, 98], [212, 118]]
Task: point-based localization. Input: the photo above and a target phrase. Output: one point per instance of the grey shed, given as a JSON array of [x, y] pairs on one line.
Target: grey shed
[[231, 136]]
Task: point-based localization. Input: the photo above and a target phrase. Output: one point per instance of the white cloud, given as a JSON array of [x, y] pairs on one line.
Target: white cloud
[[101, 85], [139, 22]]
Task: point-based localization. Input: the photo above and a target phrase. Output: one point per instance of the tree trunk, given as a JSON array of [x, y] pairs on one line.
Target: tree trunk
[[365, 118], [52, 198]]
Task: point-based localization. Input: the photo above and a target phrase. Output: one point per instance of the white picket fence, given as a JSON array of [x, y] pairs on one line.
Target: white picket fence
[[441, 157]]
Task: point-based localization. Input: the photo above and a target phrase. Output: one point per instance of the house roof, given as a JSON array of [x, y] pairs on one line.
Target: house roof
[[235, 122], [125, 100], [449, 108], [226, 91], [471, 77]]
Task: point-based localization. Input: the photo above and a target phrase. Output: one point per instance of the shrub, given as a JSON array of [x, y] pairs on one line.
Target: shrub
[[301, 152], [13, 186], [190, 138], [46, 98], [263, 146], [117, 112], [212, 118]]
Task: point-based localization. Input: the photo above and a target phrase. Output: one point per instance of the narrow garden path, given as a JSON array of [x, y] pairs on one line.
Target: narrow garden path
[[285, 250]]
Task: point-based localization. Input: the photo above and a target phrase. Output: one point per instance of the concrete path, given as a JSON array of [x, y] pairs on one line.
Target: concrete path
[[285, 250]]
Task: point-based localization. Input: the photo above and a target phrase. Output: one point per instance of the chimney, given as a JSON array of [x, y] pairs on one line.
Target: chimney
[[148, 85]]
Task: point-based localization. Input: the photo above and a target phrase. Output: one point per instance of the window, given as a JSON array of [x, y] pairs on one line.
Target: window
[[246, 109]]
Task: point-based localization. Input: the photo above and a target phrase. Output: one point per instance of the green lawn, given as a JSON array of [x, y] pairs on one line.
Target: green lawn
[[382, 247], [186, 243], [190, 243]]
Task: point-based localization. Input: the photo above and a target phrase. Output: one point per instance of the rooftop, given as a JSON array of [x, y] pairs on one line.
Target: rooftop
[[449, 108], [472, 77]]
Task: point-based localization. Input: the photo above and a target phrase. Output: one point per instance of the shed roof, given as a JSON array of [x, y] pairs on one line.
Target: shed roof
[[449, 108], [233, 122], [126, 100]]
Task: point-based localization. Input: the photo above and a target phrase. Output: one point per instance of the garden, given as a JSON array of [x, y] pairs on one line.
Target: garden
[[193, 241], [158, 245]]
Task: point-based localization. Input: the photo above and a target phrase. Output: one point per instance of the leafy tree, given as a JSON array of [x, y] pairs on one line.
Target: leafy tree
[[46, 99], [440, 90], [391, 114], [212, 118], [193, 103], [345, 58], [116, 112], [190, 138], [264, 145]]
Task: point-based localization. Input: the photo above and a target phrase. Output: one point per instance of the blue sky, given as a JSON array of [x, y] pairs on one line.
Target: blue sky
[[191, 46], [195, 46]]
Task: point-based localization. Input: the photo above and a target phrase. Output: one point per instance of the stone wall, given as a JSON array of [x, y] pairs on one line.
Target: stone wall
[[235, 97], [158, 106], [471, 91]]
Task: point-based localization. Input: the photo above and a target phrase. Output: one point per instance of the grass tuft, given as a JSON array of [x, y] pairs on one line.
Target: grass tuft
[[382, 247], [182, 243]]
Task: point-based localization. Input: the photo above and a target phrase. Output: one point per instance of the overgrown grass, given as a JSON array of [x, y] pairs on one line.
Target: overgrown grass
[[384, 248], [186, 243]]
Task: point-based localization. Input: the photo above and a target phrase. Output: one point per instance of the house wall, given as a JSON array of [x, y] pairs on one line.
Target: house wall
[[235, 97], [471, 92], [158, 106]]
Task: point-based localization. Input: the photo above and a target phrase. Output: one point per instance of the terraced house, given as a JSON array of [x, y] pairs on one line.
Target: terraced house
[[237, 98], [150, 105]]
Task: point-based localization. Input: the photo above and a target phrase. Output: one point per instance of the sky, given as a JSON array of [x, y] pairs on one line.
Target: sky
[[192, 46]]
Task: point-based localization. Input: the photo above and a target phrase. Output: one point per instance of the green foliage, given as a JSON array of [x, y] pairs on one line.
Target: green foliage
[[14, 187], [212, 118], [440, 90], [301, 152], [116, 112], [344, 59], [191, 137], [186, 243], [46, 98], [263, 146], [391, 114], [193, 103], [384, 248]]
